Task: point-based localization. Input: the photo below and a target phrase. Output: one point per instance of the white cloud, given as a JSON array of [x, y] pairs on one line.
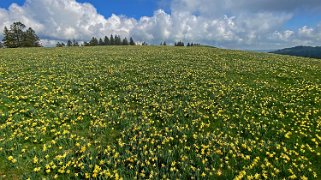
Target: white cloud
[[284, 36], [309, 36], [65, 19], [306, 31], [242, 24]]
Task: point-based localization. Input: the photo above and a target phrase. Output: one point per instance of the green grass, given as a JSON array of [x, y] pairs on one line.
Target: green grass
[[158, 113]]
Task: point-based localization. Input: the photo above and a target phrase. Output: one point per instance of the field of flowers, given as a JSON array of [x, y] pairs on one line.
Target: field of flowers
[[158, 113]]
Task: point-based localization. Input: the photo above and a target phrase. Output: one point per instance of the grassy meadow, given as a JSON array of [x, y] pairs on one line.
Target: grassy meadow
[[158, 113]]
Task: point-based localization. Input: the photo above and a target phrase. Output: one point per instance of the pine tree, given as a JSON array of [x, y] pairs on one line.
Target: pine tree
[[125, 41], [163, 43], [69, 43], [100, 42], [112, 41], [60, 44], [18, 34], [8, 38], [106, 41], [30, 39], [17, 37], [180, 43], [118, 40], [93, 41], [131, 41]]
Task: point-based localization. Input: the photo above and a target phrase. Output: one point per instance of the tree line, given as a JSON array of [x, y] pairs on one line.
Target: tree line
[[19, 36], [180, 43], [113, 40]]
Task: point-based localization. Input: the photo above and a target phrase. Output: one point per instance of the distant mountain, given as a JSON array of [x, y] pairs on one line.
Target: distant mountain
[[303, 51]]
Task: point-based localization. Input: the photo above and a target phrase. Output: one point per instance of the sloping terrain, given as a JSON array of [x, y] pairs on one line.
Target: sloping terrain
[[158, 113]]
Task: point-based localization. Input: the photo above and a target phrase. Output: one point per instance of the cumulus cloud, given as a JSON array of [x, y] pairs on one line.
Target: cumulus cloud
[[308, 35], [303, 36], [306, 31], [65, 19], [181, 26], [284, 36], [234, 24]]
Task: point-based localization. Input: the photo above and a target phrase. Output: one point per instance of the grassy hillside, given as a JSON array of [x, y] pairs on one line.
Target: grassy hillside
[[158, 112]]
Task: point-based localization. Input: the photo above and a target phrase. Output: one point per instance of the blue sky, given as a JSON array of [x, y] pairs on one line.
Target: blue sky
[[242, 24], [139, 8], [304, 18], [130, 8]]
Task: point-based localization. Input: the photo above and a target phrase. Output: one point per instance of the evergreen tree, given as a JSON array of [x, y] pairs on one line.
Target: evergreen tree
[[112, 41], [106, 41], [1, 45], [93, 41], [69, 43], [8, 40], [131, 41], [118, 40], [100, 42], [17, 37], [180, 43], [60, 44], [125, 41], [18, 34], [31, 39], [164, 44]]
